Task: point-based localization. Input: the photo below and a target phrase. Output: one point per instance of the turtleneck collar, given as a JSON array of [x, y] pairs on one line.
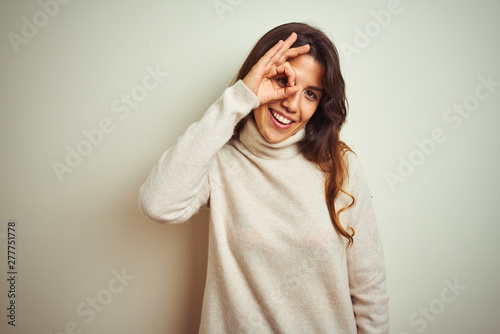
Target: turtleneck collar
[[253, 140]]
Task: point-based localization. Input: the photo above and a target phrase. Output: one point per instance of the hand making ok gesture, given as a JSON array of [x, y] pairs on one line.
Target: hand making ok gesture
[[274, 62]]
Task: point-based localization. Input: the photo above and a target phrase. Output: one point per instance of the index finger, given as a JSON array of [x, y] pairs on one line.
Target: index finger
[[270, 54], [286, 46]]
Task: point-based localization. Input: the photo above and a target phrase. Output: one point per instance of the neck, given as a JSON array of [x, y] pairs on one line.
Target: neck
[[251, 137]]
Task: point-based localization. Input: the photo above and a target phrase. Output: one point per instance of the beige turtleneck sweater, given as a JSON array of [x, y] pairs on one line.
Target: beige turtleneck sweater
[[275, 262]]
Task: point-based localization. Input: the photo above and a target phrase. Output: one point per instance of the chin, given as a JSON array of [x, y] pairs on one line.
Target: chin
[[274, 139], [269, 131]]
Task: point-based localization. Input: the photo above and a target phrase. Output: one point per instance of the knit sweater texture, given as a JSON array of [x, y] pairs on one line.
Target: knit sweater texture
[[275, 262]]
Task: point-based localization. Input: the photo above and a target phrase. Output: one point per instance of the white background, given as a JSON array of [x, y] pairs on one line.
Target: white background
[[439, 223]]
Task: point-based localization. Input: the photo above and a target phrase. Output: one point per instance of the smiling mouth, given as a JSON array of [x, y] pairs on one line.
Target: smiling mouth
[[280, 119]]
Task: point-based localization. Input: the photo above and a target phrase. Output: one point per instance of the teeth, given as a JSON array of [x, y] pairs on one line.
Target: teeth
[[281, 118]]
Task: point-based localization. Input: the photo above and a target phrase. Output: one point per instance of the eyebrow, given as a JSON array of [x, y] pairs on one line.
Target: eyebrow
[[316, 88]]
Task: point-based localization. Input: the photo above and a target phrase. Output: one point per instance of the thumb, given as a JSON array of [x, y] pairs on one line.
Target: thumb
[[285, 92]]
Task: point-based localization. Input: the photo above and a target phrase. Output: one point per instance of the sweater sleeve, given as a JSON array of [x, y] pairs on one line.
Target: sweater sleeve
[[365, 259], [178, 185]]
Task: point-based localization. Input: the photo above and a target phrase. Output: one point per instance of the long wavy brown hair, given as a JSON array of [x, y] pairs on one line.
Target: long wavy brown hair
[[321, 144]]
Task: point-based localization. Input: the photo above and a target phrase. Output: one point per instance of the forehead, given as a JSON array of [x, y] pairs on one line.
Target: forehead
[[307, 70]]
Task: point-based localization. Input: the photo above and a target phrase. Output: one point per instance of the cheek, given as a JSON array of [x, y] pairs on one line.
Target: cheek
[[260, 115], [260, 112], [308, 113]]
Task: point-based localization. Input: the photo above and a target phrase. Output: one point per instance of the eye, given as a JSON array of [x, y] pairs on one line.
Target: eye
[[282, 81], [312, 95]]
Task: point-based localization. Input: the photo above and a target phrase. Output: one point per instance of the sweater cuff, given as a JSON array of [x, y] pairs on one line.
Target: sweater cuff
[[243, 95]]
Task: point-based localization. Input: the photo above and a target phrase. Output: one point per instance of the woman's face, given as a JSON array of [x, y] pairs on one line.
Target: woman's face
[[278, 120]]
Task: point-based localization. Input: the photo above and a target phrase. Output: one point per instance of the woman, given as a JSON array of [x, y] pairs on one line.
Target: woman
[[286, 197]]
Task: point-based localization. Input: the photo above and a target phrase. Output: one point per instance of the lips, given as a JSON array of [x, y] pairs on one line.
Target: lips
[[279, 120]]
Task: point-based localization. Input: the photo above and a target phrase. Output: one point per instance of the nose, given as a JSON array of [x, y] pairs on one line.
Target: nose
[[291, 103]]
